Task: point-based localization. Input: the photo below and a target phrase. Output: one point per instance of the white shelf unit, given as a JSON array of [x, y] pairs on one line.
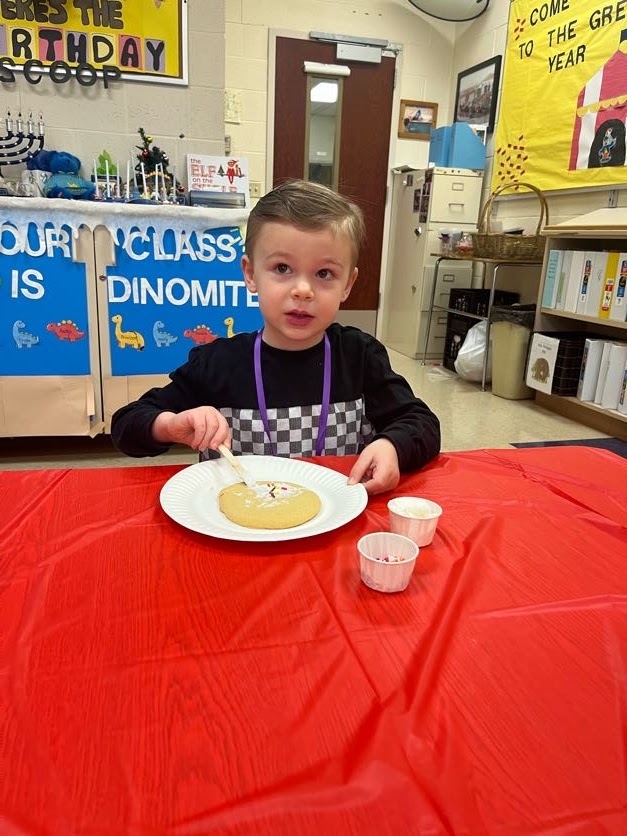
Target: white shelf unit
[[604, 229]]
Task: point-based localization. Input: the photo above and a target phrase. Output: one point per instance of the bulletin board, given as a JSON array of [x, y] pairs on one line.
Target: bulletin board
[[145, 41], [563, 106], [170, 290], [44, 322]]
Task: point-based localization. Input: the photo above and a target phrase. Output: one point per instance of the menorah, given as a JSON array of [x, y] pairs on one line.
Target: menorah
[[19, 145]]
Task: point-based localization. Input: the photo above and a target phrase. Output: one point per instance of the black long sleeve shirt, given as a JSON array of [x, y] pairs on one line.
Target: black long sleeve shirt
[[368, 400]]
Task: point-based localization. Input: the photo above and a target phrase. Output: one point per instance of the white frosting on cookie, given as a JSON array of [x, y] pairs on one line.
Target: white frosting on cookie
[[272, 493]]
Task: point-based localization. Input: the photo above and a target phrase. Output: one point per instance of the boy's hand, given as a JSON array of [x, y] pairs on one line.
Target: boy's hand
[[376, 467], [200, 428]]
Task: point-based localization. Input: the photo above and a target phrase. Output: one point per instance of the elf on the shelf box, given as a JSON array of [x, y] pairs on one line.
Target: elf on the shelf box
[[218, 174]]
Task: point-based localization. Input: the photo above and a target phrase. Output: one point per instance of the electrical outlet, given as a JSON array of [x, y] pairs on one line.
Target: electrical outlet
[[255, 189]]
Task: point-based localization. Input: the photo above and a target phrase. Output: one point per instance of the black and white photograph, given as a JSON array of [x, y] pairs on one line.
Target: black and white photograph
[[477, 93]]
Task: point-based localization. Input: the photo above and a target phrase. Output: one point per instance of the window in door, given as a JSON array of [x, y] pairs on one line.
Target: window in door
[[322, 133]]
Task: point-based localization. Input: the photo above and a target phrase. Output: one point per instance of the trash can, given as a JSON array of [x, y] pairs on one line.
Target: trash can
[[510, 329]]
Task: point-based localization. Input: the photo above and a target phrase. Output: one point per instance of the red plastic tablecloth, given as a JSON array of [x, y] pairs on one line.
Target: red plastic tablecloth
[[154, 680]]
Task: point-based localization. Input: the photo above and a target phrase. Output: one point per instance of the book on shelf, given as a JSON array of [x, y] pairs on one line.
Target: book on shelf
[[571, 294], [618, 306], [588, 262], [605, 360], [562, 282], [590, 364], [596, 284], [608, 285], [614, 378], [541, 362], [553, 269]]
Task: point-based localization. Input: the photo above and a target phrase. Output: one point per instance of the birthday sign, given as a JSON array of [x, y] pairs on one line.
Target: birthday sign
[[563, 104], [90, 39]]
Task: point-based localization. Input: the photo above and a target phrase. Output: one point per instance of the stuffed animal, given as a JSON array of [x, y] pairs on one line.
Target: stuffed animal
[[65, 180], [39, 162]]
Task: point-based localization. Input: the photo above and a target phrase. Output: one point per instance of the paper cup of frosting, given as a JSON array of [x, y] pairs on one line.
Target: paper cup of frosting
[[414, 517], [386, 560]]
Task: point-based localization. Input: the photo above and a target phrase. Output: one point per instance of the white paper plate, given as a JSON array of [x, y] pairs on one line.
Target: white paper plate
[[190, 497]]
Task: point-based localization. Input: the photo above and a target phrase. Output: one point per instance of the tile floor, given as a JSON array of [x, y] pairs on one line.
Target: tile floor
[[470, 419]]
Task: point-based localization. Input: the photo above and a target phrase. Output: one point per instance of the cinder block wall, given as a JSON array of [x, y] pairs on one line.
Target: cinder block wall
[[86, 120]]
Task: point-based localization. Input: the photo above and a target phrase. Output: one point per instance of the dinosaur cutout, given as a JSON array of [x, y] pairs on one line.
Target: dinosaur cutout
[[201, 335], [22, 338], [229, 322], [65, 330], [162, 338], [131, 338]]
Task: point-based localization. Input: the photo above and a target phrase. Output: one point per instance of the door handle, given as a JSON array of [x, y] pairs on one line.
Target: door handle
[[413, 288], [418, 231]]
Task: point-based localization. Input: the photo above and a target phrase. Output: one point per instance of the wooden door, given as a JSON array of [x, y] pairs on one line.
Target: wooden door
[[364, 143]]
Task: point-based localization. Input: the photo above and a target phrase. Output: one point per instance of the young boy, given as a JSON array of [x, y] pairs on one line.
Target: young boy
[[303, 385]]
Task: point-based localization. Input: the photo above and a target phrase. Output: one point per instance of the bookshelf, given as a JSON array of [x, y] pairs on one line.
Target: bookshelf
[[604, 229]]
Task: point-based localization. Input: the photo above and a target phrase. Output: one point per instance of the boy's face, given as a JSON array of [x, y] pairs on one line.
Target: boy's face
[[301, 278]]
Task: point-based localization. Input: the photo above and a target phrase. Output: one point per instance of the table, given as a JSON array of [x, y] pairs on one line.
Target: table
[[154, 680], [496, 264]]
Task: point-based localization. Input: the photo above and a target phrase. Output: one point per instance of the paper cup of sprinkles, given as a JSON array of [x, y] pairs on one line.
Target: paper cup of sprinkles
[[387, 560], [414, 517]]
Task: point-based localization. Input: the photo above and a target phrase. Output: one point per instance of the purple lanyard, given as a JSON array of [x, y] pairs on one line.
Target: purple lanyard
[[326, 392]]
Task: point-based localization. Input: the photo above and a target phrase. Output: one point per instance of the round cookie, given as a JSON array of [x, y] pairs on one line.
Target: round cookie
[[268, 504]]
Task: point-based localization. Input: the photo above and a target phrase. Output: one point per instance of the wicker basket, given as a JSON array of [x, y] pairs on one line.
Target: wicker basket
[[488, 244]]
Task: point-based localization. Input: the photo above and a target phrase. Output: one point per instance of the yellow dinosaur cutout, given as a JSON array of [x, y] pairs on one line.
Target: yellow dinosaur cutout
[[132, 338], [229, 321]]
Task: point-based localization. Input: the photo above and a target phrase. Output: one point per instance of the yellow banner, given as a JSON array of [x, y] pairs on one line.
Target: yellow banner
[[144, 39], [563, 103]]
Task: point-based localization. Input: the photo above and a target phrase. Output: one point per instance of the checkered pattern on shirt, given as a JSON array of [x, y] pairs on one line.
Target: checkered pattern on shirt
[[294, 430]]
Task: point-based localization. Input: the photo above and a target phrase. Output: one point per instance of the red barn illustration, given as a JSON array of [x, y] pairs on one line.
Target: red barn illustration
[[599, 132]]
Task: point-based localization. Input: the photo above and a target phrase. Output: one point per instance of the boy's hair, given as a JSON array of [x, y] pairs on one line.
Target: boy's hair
[[307, 206]]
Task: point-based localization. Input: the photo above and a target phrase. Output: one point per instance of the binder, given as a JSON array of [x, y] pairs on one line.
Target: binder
[[605, 360], [574, 281], [618, 306], [562, 282], [608, 285], [596, 283], [588, 261], [614, 378], [553, 269], [590, 364]]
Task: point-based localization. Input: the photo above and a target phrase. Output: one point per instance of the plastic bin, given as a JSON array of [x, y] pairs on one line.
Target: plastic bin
[[510, 328], [475, 300], [568, 363], [456, 329]]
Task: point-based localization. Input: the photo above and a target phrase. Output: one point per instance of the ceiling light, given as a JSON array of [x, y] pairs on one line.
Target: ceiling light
[[452, 9]]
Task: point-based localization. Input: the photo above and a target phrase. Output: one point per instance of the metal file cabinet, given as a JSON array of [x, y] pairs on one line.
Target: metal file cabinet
[[424, 202]]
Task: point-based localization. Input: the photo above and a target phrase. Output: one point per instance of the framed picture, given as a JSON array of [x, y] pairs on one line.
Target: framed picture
[[417, 119], [477, 92]]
